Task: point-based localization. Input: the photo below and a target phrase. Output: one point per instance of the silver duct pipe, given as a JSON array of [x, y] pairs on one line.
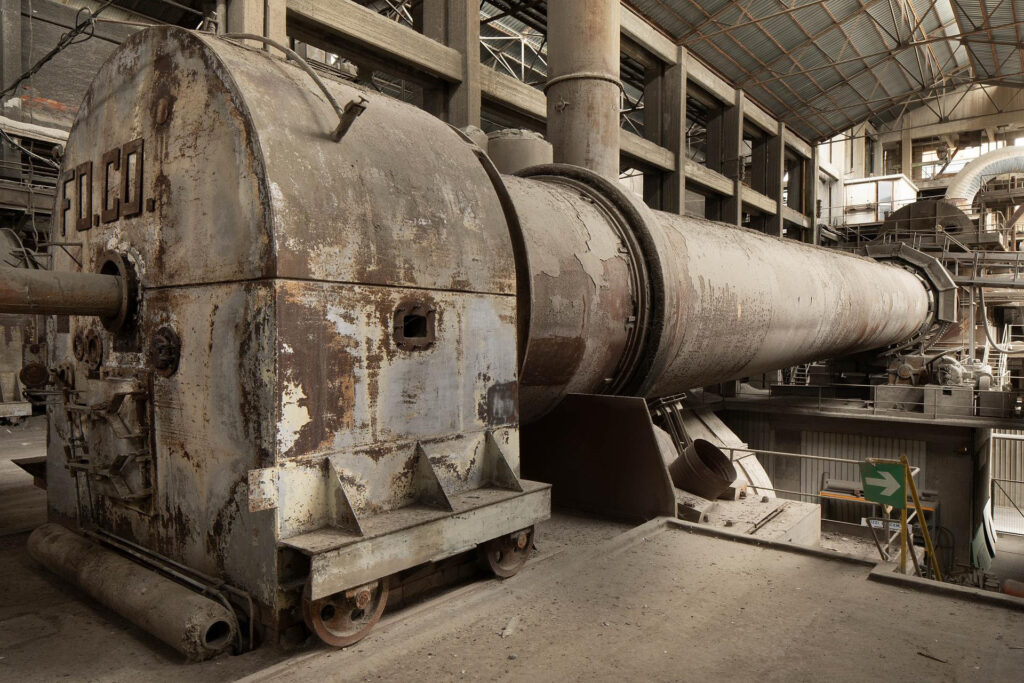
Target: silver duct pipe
[[968, 181]]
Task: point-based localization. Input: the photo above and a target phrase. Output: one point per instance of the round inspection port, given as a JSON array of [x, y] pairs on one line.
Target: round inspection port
[[217, 634]]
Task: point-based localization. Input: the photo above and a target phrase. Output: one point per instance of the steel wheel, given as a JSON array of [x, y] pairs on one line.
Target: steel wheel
[[345, 618], [506, 555]]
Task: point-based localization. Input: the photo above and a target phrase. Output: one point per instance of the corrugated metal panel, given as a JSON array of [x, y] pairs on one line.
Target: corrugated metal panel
[[1007, 469], [786, 60], [853, 447], [753, 429]]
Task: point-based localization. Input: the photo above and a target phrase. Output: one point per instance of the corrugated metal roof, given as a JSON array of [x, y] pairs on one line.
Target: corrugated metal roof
[[824, 65]]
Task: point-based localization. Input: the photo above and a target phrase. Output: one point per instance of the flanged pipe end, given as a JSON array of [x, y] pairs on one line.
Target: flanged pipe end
[[119, 266]]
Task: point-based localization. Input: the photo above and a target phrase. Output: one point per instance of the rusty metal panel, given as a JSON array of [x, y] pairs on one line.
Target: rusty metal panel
[[427, 537], [344, 382], [581, 291], [401, 199], [189, 187]]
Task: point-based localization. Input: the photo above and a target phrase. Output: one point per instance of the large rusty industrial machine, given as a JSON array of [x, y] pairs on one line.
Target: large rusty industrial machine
[[308, 321]]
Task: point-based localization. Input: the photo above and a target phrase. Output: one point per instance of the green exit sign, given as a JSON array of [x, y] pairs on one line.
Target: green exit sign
[[885, 483]]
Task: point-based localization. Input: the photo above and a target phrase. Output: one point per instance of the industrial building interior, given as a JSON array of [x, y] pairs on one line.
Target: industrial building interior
[[512, 339]]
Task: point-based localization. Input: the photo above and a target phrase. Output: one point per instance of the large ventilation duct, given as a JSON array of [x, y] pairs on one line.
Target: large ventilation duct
[[969, 180]]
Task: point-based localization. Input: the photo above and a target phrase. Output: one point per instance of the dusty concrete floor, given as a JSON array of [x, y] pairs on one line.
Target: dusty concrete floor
[[671, 605], [22, 505], [1009, 562], [598, 602]]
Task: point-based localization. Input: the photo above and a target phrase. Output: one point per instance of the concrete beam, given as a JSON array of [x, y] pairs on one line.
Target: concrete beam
[[798, 144], [755, 199], [21, 129], [512, 93], [954, 126], [645, 151], [646, 36], [704, 177], [829, 170], [759, 117], [697, 73], [794, 216], [379, 35]]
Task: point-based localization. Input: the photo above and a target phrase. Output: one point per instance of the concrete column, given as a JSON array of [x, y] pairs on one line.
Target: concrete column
[[725, 155], [456, 23], [654, 114], [464, 36], [811, 195], [906, 154], [583, 85], [673, 120], [10, 42], [877, 161], [859, 151], [262, 17], [769, 172]]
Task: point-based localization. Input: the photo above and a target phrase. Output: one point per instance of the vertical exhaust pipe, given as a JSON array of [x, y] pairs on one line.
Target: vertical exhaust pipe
[[583, 87]]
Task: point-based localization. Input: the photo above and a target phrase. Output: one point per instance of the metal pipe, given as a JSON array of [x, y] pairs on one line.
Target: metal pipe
[[583, 87], [636, 302], [44, 292], [737, 303], [194, 625]]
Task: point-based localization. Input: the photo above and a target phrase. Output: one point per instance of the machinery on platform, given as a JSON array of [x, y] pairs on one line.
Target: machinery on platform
[[307, 322]]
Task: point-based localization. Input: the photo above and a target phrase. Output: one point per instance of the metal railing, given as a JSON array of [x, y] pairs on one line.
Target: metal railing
[[949, 402]]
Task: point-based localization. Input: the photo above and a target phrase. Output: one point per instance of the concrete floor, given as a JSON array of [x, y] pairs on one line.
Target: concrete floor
[[22, 505], [598, 602], [1009, 561]]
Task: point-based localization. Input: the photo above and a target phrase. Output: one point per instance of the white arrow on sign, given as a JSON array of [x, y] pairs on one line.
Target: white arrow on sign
[[887, 483]]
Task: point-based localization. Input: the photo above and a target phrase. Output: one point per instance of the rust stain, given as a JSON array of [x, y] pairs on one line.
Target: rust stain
[[553, 361]]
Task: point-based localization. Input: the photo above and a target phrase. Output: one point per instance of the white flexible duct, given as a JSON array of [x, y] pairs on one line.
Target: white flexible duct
[[968, 181]]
